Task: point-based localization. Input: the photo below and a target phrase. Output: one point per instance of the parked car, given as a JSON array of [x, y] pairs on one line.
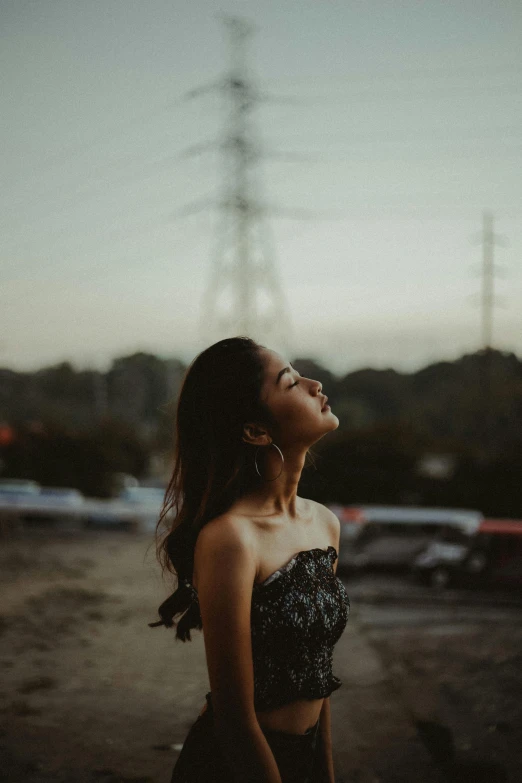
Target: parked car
[[14, 494], [393, 536], [56, 504], [63, 495], [148, 502], [10, 489], [30, 503], [135, 508], [493, 555]]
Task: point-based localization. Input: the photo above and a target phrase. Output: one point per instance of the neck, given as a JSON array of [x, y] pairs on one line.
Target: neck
[[279, 496]]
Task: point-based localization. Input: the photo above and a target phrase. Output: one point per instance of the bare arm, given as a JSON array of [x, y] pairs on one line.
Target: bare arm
[[325, 766], [325, 771], [226, 570]]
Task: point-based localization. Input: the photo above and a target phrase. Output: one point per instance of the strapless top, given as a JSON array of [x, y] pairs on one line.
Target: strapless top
[[297, 616]]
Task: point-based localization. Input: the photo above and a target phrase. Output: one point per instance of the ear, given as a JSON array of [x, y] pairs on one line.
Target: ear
[[256, 434]]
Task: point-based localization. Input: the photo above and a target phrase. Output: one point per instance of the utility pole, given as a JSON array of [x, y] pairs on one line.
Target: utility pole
[[488, 301], [488, 241], [488, 244]]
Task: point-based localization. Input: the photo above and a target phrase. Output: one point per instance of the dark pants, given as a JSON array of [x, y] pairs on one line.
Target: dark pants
[[201, 760]]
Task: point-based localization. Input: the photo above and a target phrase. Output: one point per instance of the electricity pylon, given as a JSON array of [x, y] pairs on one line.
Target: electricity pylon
[[244, 295], [488, 278], [488, 301]]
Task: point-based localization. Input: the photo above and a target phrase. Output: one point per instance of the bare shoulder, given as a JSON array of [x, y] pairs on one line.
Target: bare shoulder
[[327, 517], [227, 531], [225, 540]]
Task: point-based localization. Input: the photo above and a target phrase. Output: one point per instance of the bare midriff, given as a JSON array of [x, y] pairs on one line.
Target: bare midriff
[[296, 717]]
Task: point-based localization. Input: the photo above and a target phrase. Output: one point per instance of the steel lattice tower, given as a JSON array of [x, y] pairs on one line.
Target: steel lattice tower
[[244, 295]]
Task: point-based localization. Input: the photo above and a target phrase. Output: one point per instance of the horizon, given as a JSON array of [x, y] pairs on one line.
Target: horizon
[[338, 376]]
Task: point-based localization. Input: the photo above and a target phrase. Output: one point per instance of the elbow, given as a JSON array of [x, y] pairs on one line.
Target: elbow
[[234, 724], [232, 712]]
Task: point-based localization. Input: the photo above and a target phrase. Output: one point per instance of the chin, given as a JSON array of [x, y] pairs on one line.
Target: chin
[[335, 420], [331, 422], [328, 426]]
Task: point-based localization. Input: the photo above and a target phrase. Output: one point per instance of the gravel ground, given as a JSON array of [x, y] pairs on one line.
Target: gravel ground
[[90, 693], [456, 662]]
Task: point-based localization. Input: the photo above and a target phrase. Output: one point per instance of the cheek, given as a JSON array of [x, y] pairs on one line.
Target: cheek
[[299, 411]]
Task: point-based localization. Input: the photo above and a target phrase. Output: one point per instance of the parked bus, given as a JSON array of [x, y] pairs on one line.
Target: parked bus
[[378, 536], [492, 556]]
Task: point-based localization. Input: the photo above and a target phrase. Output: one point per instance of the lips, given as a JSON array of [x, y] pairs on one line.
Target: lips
[[324, 404]]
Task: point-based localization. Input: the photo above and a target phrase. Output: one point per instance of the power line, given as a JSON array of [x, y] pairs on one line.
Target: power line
[[478, 74], [107, 134]]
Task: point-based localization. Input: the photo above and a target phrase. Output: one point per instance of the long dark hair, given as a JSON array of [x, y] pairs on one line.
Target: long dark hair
[[213, 466]]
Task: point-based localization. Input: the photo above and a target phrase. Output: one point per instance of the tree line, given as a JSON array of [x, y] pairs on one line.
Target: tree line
[[78, 428]]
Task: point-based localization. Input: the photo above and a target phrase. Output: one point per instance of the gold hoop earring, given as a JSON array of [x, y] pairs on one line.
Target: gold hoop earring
[[282, 462]]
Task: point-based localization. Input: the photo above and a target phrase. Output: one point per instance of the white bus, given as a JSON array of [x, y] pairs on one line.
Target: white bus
[[393, 536]]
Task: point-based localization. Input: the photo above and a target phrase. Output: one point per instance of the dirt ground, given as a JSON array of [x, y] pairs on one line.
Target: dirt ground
[[461, 682], [89, 693]]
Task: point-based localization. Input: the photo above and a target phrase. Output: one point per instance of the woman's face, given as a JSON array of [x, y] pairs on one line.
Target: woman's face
[[295, 402]]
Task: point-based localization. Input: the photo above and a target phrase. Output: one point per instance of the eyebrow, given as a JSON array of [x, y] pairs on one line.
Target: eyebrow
[[282, 372]]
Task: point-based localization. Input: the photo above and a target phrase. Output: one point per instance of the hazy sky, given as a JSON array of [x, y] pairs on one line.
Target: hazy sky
[[412, 111]]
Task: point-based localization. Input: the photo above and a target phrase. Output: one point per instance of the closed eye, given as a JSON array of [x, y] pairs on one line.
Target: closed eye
[[293, 384]]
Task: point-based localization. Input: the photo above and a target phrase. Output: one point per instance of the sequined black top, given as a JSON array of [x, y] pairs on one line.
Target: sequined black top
[[297, 615]]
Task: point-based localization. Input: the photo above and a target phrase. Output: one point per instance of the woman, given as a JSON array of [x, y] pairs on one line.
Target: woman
[[256, 568]]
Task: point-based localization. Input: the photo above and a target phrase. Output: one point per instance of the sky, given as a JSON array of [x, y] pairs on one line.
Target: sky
[[408, 118]]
